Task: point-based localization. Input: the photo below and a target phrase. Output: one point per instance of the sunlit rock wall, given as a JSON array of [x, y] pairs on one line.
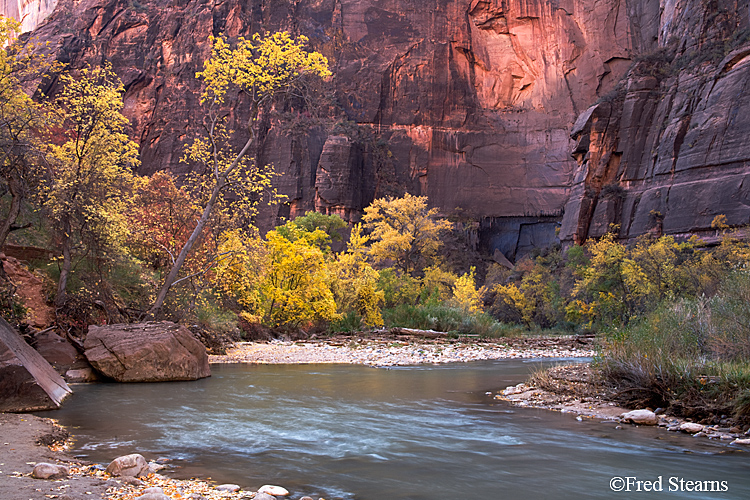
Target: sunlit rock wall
[[470, 102]]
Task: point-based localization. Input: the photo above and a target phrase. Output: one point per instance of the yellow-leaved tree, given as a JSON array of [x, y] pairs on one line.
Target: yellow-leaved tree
[[356, 287], [262, 67], [91, 169], [23, 121], [466, 295], [296, 288], [404, 231]]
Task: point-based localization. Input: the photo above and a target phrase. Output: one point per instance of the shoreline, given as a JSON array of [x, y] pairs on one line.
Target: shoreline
[[86, 480], [27, 440], [569, 389]]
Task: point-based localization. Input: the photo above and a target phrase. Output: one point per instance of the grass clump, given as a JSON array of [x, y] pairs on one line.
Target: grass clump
[[691, 355]]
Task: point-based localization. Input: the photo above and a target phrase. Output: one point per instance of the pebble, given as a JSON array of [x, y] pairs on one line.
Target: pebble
[[276, 491], [228, 487], [263, 496]]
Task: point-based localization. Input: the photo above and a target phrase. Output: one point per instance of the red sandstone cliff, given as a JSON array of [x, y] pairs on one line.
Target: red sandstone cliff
[[471, 102]]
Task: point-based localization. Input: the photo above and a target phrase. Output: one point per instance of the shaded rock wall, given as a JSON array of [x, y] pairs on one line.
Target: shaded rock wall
[[668, 151], [470, 102]]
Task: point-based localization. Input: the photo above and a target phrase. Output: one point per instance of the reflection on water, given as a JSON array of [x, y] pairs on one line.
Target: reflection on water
[[423, 432]]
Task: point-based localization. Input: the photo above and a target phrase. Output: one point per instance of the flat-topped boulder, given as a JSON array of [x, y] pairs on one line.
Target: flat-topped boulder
[[27, 381], [146, 352]]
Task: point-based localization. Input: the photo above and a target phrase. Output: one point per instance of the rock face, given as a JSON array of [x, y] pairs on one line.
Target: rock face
[[30, 12], [666, 152], [146, 352], [27, 381], [525, 114]]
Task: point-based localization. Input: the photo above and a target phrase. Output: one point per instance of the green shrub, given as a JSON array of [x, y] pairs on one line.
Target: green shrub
[[349, 322], [443, 318]]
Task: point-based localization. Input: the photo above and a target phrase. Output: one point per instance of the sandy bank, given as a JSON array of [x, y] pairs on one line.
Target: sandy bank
[[24, 442]]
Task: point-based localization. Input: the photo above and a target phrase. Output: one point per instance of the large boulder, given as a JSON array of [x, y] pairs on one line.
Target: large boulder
[[56, 350], [146, 352], [27, 381]]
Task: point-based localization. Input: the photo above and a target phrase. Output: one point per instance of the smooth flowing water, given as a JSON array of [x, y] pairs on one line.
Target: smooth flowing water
[[421, 432]]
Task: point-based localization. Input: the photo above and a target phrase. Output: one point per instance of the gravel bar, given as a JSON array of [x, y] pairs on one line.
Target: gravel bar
[[387, 353]]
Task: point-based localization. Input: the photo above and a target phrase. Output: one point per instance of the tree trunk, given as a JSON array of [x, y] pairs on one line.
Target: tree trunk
[[221, 180], [180, 260], [67, 264], [16, 195]]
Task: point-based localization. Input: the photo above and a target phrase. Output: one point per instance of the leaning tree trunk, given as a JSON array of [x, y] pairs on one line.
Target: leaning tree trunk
[[180, 260], [221, 182]]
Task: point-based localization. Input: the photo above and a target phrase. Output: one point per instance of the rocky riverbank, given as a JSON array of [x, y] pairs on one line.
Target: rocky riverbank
[[392, 350], [35, 466], [573, 389]]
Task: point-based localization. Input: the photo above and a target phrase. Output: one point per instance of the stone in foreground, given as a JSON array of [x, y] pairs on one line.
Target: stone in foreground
[[153, 496], [276, 491], [640, 417], [27, 381], [228, 487], [263, 496], [691, 427], [133, 465], [49, 471], [146, 352]]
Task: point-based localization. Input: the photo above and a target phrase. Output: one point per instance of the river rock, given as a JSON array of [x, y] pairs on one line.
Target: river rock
[[27, 381], [133, 465], [49, 471], [228, 487], [263, 496], [743, 441], [81, 375], [146, 352], [691, 427], [640, 417], [153, 496], [276, 491]]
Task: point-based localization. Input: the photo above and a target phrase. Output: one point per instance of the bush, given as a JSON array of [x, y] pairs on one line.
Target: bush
[[692, 354], [444, 318]]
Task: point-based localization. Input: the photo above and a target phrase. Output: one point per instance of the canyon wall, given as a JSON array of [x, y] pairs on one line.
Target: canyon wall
[[31, 13], [667, 151], [531, 117]]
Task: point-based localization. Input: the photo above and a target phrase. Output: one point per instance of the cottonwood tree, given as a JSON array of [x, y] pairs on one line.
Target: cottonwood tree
[[22, 121], [262, 67], [404, 231], [92, 169], [296, 286]]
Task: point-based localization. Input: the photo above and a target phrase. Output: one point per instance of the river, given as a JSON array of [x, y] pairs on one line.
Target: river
[[418, 433]]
